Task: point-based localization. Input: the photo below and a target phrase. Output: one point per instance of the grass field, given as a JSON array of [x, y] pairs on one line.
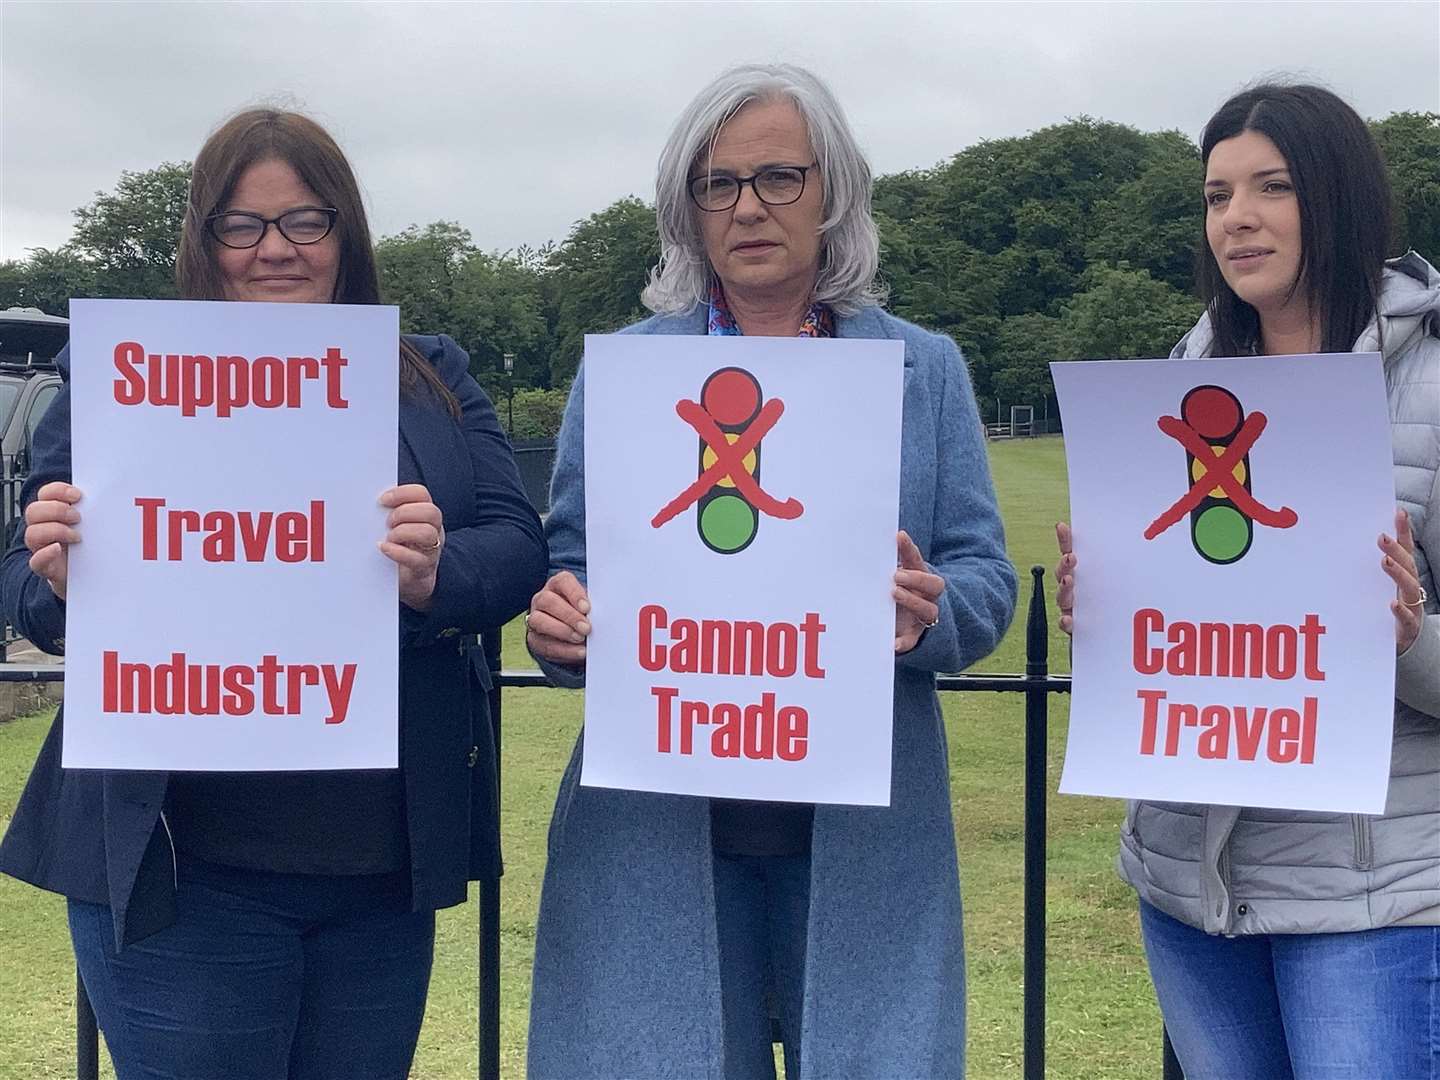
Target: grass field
[[1102, 1021]]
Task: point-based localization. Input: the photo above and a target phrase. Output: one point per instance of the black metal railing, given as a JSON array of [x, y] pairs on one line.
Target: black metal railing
[[1037, 684]]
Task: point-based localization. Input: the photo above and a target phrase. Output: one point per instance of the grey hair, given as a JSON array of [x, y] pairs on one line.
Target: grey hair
[[849, 241]]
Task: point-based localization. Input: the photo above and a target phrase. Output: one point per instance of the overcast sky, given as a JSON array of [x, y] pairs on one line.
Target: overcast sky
[[516, 120]]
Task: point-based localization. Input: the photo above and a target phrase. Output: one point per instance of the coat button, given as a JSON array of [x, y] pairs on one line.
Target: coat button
[[473, 757], [1243, 909]]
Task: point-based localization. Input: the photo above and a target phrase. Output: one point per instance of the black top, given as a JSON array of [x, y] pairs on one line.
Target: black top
[[343, 822], [350, 822], [746, 827]]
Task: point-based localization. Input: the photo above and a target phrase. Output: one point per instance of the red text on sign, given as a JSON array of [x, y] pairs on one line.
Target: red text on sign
[[1236, 650], [1229, 731], [759, 731], [294, 537], [729, 647], [192, 382], [180, 688]]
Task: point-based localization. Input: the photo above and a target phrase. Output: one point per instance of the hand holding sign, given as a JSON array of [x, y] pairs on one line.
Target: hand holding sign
[[917, 595], [50, 529], [1399, 563], [417, 533], [558, 624]]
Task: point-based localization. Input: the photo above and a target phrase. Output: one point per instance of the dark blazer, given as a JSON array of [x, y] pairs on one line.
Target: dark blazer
[[99, 835]]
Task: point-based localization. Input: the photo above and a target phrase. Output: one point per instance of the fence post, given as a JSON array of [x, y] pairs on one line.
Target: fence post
[[489, 895], [87, 1036], [1037, 670]]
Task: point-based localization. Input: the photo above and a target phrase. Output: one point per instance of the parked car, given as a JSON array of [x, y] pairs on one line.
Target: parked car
[[29, 381]]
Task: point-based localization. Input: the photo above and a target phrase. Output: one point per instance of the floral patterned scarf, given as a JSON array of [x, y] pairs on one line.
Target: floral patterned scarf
[[819, 320]]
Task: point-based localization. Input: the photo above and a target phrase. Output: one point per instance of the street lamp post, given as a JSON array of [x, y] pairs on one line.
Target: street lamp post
[[509, 359]]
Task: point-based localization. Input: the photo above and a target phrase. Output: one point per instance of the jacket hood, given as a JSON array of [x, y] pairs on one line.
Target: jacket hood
[[1409, 308]]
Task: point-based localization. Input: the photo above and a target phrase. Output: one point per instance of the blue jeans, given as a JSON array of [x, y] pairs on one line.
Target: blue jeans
[[263, 977], [1357, 1006], [762, 911]]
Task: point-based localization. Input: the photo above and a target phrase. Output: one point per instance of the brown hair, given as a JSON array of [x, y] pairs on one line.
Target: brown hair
[[257, 135]]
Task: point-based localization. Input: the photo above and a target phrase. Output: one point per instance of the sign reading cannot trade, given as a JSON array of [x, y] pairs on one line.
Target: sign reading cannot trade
[[228, 608], [741, 502], [1233, 638]]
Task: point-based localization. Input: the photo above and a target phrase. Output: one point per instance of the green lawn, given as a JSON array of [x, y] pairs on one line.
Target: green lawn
[[1102, 1020]]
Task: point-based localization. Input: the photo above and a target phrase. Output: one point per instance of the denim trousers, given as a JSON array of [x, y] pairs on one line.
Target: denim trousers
[[263, 976], [762, 913], [1355, 1006]]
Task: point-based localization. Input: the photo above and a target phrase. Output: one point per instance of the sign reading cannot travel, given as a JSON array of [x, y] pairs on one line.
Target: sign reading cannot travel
[[1233, 638], [741, 501], [228, 608]]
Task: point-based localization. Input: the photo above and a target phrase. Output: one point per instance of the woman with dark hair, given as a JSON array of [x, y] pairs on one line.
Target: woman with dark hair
[[264, 925], [1290, 945]]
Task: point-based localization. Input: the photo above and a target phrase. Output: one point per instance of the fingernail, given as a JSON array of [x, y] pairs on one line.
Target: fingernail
[[584, 607]]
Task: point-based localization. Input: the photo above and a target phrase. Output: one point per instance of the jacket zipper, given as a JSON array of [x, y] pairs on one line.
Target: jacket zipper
[[1224, 868], [1362, 840], [174, 865]]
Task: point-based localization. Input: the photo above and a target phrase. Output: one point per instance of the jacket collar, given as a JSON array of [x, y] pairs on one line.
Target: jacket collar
[[869, 323]]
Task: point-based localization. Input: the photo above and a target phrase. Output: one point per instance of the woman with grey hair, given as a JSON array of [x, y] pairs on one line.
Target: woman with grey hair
[[673, 927]]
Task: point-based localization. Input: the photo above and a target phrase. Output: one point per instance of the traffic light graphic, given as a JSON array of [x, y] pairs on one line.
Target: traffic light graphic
[[731, 418], [1217, 436], [728, 523]]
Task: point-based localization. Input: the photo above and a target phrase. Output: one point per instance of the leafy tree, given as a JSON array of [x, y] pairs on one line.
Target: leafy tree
[[537, 413], [47, 280], [1410, 142], [595, 277], [131, 235], [489, 303], [418, 269], [1125, 315], [1026, 346], [1154, 221]]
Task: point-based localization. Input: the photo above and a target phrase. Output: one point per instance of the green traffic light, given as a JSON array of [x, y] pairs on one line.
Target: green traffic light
[[728, 523], [1221, 533]]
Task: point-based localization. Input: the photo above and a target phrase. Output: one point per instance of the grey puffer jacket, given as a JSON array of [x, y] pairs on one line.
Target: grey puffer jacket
[[1234, 870]]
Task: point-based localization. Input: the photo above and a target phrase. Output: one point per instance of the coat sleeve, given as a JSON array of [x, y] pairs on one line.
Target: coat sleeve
[[29, 603], [967, 546], [1417, 670], [488, 570], [565, 527]]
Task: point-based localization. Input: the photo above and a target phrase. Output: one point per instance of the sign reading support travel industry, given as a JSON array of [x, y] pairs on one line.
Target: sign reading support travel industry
[[227, 607], [741, 500], [1233, 637]]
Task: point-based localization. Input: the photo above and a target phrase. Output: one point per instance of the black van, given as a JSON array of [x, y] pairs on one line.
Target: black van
[[29, 381]]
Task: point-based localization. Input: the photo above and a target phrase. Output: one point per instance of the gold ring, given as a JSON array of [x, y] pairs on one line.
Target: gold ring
[[932, 625], [1416, 603], [433, 547]]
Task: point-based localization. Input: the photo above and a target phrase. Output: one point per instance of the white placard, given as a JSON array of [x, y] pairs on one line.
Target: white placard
[[228, 608], [1233, 638], [743, 637]]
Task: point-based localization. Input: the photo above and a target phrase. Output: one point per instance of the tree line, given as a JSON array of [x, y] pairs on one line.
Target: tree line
[[1075, 241]]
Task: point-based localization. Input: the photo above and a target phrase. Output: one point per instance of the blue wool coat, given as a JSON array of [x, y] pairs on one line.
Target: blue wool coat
[[626, 978], [100, 837]]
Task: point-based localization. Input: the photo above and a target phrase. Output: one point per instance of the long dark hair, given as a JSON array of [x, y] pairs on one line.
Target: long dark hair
[[258, 135], [1344, 197]]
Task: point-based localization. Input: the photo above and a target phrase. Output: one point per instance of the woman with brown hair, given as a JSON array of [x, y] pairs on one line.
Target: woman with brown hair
[[264, 925]]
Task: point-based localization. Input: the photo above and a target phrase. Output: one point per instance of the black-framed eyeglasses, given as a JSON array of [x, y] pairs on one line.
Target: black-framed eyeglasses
[[303, 225], [777, 186]]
